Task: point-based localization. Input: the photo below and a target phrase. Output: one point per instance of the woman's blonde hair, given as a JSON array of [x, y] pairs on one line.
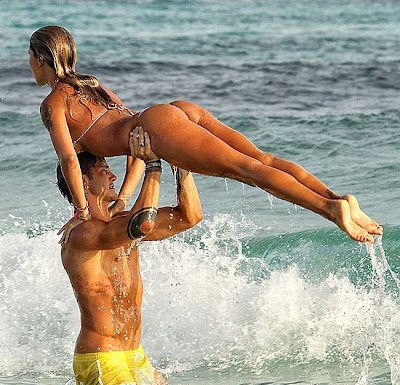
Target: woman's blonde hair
[[56, 46]]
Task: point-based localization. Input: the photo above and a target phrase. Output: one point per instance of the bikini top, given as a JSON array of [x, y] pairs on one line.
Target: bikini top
[[110, 107]]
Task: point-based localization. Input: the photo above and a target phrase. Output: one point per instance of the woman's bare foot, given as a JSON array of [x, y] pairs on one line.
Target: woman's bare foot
[[341, 215], [361, 218]]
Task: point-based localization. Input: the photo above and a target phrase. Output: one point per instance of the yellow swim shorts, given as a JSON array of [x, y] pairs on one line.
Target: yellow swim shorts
[[130, 367]]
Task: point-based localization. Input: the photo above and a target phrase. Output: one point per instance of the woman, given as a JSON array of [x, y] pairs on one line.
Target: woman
[[80, 114]]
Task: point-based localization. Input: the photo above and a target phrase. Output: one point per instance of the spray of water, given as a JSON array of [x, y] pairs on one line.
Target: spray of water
[[385, 345], [205, 304]]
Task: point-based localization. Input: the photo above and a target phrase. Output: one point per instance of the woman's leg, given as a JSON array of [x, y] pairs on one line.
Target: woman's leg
[[185, 144], [236, 140]]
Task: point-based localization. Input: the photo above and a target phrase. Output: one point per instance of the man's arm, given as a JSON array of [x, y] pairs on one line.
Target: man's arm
[[173, 220], [136, 223], [140, 220]]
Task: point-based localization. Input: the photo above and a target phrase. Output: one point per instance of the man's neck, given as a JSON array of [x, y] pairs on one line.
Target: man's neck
[[99, 208]]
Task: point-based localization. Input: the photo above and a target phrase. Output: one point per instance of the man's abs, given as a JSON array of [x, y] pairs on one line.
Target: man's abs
[[114, 333]]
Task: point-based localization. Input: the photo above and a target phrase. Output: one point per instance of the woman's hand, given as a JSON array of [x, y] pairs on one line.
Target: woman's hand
[[139, 143], [68, 227]]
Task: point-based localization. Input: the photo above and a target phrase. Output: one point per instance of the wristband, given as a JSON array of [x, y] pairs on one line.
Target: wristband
[[153, 166], [77, 215], [81, 209]]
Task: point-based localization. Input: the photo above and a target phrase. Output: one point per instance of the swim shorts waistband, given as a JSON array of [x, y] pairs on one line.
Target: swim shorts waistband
[[89, 357]]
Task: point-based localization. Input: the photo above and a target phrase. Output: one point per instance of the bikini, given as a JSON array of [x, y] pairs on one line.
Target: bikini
[[110, 107]]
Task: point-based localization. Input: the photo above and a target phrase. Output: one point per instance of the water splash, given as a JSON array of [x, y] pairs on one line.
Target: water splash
[[380, 265], [380, 268], [226, 185], [270, 199], [206, 302]]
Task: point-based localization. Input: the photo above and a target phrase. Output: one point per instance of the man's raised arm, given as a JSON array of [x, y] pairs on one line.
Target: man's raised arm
[[188, 212], [140, 220]]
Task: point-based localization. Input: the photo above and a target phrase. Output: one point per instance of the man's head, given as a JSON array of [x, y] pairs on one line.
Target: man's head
[[98, 180]]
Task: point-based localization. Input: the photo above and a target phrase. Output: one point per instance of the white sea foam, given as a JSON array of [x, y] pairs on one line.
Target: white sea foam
[[201, 306]]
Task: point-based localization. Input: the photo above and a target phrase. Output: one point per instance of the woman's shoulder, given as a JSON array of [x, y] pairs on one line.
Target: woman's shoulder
[[58, 95]]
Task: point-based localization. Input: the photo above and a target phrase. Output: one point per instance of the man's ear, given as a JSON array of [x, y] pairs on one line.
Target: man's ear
[[85, 180]]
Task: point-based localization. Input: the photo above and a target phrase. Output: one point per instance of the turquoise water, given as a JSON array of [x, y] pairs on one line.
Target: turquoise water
[[262, 291]]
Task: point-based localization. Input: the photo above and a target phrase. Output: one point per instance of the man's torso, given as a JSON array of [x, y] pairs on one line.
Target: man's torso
[[108, 288]]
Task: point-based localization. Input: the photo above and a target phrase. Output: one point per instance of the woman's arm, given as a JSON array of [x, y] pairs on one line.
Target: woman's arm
[[133, 173], [53, 116]]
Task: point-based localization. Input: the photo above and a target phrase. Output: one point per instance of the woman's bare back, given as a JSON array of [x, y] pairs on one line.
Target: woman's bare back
[[94, 127]]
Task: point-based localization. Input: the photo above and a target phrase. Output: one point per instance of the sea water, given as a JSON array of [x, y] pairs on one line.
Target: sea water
[[262, 291]]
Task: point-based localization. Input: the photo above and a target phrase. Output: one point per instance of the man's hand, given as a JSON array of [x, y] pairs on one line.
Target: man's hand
[[139, 143]]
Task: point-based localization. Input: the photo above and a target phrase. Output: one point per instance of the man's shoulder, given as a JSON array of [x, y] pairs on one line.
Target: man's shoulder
[[83, 231], [89, 234]]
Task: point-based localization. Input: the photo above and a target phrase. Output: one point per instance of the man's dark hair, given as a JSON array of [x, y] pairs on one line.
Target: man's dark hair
[[86, 161]]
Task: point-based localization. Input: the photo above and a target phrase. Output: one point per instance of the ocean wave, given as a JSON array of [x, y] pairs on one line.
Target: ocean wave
[[213, 299]]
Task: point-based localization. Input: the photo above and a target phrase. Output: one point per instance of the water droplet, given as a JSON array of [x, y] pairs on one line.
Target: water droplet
[[270, 200]]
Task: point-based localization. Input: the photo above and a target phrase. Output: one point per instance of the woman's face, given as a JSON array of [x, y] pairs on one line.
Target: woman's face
[[36, 68]]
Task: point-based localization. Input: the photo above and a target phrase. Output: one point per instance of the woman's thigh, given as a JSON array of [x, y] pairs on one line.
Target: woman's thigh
[[233, 138], [185, 144]]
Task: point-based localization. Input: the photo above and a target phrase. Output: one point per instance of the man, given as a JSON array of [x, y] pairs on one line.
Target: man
[[101, 258]]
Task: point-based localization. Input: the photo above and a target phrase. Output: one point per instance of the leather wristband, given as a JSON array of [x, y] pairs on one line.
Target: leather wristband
[[153, 166]]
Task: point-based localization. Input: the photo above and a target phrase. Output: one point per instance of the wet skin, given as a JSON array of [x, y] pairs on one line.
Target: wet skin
[[102, 261], [188, 136], [108, 287]]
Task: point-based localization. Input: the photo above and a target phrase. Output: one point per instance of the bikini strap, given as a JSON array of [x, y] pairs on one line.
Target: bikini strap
[[90, 126], [119, 107], [113, 106]]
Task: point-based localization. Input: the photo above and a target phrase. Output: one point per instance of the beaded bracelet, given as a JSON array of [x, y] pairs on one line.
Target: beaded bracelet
[[81, 209], [77, 215]]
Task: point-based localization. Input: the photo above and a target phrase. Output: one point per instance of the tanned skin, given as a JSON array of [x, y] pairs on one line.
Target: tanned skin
[[102, 262], [188, 136]]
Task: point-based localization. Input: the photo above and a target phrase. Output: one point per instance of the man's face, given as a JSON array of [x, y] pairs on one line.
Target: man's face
[[102, 182]]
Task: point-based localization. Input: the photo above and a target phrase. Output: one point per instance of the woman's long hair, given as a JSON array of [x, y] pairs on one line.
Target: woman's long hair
[[57, 48]]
